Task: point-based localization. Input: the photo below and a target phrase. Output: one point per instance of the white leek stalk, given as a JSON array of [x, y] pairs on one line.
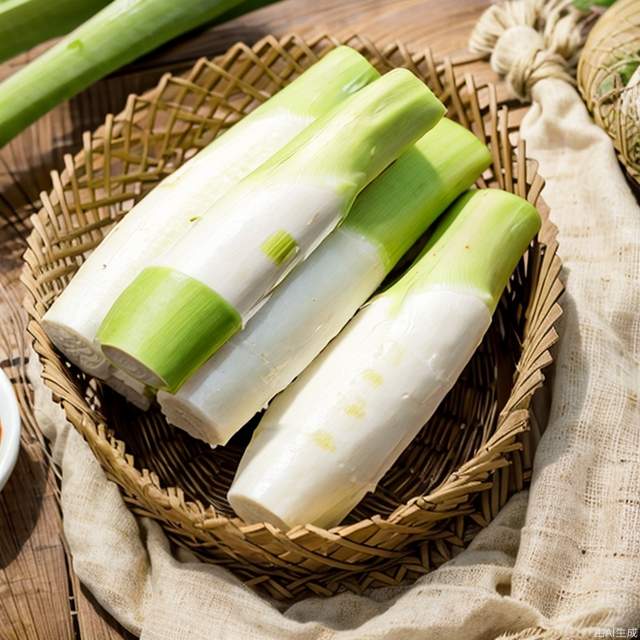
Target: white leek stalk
[[313, 304], [331, 436], [182, 309], [130, 389], [167, 212]]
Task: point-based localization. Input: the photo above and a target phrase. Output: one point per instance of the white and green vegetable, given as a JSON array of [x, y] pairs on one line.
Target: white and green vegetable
[[184, 307], [167, 212], [331, 435], [123, 31], [311, 306]]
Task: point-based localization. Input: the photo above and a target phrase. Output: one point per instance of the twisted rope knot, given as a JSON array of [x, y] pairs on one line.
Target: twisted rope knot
[[529, 40]]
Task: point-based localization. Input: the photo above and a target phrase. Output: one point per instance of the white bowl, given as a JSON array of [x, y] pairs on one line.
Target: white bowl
[[10, 419]]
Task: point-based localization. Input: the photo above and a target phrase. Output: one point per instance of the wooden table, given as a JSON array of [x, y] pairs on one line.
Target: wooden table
[[40, 596]]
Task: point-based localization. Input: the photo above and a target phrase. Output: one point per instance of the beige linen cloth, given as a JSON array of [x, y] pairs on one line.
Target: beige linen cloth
[[561, 561]]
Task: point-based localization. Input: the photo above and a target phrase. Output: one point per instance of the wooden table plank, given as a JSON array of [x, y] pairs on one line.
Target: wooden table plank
[[91, 625], [34, 593], [40, 597], [443, 26]]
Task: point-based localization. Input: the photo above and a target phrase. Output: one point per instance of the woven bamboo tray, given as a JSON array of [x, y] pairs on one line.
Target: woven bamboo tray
[[464, 465]]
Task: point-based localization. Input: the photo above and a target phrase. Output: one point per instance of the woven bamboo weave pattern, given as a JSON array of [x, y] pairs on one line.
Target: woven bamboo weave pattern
[[470, 458], [610, 51]]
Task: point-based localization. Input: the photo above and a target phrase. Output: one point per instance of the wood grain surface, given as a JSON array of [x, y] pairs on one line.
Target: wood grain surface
[[40, 596]]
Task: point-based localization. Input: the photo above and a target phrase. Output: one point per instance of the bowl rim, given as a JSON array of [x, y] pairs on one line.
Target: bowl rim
[[10, 440]]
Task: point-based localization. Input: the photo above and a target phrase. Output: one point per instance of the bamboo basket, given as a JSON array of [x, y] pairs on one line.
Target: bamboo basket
[[463, 466], [612, 46]]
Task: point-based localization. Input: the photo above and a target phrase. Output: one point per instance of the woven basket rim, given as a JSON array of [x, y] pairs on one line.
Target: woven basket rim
[[471, 477], [595, 65]]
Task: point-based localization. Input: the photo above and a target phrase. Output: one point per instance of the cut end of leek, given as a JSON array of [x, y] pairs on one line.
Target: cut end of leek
[[184, 415], [253, 498], [164, 326], [80, 351], [252, 511], [133, 366]]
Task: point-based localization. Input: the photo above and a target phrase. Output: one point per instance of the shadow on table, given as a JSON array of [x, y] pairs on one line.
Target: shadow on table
[[21, 501]]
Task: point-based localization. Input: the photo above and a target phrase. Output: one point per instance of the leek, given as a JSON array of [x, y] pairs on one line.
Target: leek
[[26, 23], [311, 306], [123, 31], [340, 426], [170, 209], [130, 389], [181, 310]]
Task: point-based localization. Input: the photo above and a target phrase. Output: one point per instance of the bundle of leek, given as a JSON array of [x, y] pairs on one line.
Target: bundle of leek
[[181, 310], [313, 304], [340, 426], [167, 212]]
